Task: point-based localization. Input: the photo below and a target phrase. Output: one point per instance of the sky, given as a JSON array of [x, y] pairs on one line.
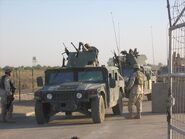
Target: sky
[[37, 28]]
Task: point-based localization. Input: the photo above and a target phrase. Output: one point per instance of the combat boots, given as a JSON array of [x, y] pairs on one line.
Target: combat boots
[[138, 116], [4, 118], [3, 113], [130, 116]]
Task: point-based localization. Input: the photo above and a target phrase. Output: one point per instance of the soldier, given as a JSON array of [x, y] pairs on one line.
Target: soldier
[[7, 90], [87, 47], [135, 87]]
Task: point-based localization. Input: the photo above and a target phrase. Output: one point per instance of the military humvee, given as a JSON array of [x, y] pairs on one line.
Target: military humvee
[[125, 62], [85, 89]]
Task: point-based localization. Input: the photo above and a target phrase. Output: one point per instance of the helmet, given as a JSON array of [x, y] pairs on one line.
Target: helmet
[[87, 45], [7, 70], [136, 66]]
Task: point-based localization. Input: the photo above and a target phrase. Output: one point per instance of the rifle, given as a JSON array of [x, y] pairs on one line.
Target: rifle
[[10, 98], [66, 50], [116, 59], [136, 53]]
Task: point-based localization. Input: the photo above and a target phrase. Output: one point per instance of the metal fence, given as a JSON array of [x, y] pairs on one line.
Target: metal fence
[[176, 63], [25, 81]]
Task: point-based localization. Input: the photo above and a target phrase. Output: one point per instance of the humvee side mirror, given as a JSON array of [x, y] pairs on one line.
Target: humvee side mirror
[[40, 81], [112, 83]]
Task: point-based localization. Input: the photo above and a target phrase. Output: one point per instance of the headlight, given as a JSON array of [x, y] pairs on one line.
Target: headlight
[[79, 95], [49, 96]]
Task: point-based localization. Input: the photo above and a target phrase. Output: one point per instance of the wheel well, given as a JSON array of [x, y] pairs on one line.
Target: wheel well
[[105, 101]]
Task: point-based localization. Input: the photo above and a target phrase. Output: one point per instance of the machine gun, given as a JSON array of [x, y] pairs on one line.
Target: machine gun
[[80, 58], [116, 59], [66, 51]]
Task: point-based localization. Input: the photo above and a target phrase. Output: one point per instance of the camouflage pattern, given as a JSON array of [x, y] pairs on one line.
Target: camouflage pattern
[[4, 93], [136, 94], [90, 83]]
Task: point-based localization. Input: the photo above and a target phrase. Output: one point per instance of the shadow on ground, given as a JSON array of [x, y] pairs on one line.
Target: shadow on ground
[[24, 103], [21, 121]]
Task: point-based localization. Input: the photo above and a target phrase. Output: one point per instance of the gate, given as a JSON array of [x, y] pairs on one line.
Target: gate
[[176, 64]]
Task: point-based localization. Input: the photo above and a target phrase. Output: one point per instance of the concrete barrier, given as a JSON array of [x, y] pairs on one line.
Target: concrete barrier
[[159, 97]]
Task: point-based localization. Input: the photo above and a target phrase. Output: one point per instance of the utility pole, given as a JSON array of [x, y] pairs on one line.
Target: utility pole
[[170, 95], [153, 56], [19, 83], [34, 61]]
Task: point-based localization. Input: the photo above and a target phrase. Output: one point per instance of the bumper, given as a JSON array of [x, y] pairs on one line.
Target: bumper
[[66, 101]]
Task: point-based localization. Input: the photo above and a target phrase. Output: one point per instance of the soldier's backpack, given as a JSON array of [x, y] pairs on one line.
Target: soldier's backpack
[[2, 79], [139, 80]]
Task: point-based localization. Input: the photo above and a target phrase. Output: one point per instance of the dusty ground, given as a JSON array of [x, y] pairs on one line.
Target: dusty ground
[[151, 126]]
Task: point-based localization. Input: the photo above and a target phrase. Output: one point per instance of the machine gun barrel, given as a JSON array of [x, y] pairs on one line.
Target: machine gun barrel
[[66, 50], [75, 47]]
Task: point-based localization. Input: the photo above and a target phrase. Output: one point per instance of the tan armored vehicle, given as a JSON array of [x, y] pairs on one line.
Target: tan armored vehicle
[[125, 62]]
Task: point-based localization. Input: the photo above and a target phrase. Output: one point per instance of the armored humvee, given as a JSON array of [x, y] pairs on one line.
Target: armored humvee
[[88, 89], [125, 62]]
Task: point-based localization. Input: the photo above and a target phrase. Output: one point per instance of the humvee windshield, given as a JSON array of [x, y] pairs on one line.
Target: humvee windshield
[[60, 77], [90, 76], [75, 75]]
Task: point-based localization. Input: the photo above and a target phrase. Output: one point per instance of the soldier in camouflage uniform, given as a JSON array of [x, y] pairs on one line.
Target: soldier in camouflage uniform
[[87, 47], [6, 93], [135, 87]]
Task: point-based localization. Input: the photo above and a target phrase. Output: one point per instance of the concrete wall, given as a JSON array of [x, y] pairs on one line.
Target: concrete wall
[[179, 95], [159, 97]]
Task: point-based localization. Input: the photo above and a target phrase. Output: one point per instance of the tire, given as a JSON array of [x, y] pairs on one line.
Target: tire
[[118, 109], [41, 113], [149, 97], [98, 109], [68, 113]]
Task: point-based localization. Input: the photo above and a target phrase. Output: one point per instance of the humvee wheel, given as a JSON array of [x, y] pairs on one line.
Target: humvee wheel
[[41, 112], [118, 109], [98, 110], [149, 97]]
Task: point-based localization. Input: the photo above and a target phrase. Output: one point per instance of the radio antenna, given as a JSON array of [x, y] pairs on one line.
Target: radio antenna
[[116, 40], [119, 37]]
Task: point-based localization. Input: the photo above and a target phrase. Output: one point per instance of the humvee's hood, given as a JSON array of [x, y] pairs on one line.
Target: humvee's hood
[[73, 86]]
